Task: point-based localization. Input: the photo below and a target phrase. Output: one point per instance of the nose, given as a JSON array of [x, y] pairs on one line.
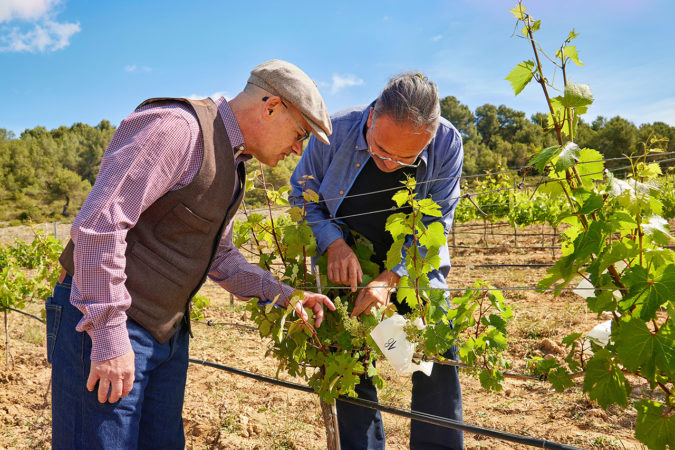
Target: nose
[[297, 148]]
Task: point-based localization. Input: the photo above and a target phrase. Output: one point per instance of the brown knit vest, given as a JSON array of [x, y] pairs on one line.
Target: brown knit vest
[[171, 247]]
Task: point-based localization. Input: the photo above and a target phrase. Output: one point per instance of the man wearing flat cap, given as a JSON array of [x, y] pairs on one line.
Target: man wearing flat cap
[[156, 223]]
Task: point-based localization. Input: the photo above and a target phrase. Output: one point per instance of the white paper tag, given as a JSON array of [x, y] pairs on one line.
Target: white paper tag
[[392, 340]]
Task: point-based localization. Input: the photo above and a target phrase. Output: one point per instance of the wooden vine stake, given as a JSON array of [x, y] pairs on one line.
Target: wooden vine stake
[[328, 411]]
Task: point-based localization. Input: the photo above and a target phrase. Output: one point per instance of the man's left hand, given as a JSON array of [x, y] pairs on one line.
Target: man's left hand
[[376, 293], [314, 302]]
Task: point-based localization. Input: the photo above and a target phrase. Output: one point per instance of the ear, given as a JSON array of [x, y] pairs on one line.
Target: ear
[[270, 105], [369, 122]]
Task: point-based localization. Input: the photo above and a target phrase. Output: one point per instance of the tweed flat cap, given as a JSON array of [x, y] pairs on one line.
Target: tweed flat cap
[[287, 81]]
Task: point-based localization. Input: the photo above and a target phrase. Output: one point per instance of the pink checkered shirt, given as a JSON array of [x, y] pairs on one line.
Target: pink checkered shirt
[[155, 150]]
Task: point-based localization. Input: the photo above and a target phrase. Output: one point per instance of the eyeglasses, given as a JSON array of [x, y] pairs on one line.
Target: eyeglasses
[[386, 158], [305, 133]]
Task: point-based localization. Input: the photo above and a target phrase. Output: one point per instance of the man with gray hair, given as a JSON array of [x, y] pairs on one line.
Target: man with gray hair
[[372, 150], [157, 222]]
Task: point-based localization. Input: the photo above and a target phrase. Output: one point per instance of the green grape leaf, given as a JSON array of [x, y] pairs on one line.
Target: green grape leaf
[[429, 207], [603, 301], [438, 338], [647, 290], [434, 237], [621, 221], [590, 166], [518, 12], [653, 428], [295, 213], [520, 76], [657, 228], [638, 347], [604, 381], [591, 204], [666, 338], [543, 157], [577, 95], [560, 379], [491, 379], [652, 170], [589, 242], [571, 339], [401, 197], [397, 226], [394, 255], [567, 157], [573, 34], [406, 293], [569, 51], [310, 196]]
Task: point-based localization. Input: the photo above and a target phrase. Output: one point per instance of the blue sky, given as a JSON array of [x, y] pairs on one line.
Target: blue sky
[[67, 61]]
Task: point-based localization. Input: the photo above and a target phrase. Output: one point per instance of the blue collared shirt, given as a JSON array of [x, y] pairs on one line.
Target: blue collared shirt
[[333, 169]]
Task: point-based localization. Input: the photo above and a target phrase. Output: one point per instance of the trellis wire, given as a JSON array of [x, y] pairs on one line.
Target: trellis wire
[[489, 174]]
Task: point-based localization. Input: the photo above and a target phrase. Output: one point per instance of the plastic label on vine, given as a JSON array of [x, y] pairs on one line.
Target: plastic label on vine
[[390, 337]]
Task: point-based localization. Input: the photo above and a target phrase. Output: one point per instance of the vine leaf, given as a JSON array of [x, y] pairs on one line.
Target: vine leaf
[[567, 157], [653, 427], [560, 379], [543, 157], [647, 291], [310, 196], [570, 52], [520, 76], [577, 95], [604, 381], [639, 348], [518, 12]]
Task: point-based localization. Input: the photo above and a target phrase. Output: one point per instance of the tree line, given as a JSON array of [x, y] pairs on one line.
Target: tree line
[[45, 175]]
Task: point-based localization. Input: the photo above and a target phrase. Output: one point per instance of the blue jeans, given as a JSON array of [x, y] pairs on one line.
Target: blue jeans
[[149, 417], [439, 394]]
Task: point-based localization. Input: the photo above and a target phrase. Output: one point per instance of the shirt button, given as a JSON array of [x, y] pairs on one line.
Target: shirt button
[[358, 164], [356, 147], [342, 192]]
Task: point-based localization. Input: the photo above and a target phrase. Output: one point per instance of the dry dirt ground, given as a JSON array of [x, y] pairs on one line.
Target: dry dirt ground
[[224, 410]]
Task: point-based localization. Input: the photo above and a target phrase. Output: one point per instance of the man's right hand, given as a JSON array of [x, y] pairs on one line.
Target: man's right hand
[[113, 375], [343, 265]]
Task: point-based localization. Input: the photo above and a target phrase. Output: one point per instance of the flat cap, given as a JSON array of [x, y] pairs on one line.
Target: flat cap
[[287, 81]]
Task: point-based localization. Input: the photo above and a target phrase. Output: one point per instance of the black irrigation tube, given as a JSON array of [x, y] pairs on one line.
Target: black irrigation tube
[[479, 266], [26, 314], [512, 247], [422, 417]]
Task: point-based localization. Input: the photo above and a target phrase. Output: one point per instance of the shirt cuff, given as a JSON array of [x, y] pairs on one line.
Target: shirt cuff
[[110, 342], [284, 292]]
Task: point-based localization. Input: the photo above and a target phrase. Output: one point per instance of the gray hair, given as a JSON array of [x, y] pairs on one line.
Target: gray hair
[[410, 98]]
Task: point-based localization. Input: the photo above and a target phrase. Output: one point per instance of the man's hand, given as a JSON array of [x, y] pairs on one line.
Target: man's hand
[[374, 294], [314, 302], [343, 265], [115, 375]]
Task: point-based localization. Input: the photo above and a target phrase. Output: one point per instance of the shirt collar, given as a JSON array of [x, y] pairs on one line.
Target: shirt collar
[[362, 144], [232, 128]]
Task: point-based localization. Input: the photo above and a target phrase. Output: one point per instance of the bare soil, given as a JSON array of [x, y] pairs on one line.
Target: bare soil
[[224, 410]]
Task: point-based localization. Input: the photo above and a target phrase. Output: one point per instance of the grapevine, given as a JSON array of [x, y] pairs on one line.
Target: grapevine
[[616, 241]]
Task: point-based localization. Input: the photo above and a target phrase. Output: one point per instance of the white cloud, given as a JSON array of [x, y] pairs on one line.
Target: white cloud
[[25, 9], [437, 38], [214, 96], [342, 81], [134, 68], [46, 33]]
